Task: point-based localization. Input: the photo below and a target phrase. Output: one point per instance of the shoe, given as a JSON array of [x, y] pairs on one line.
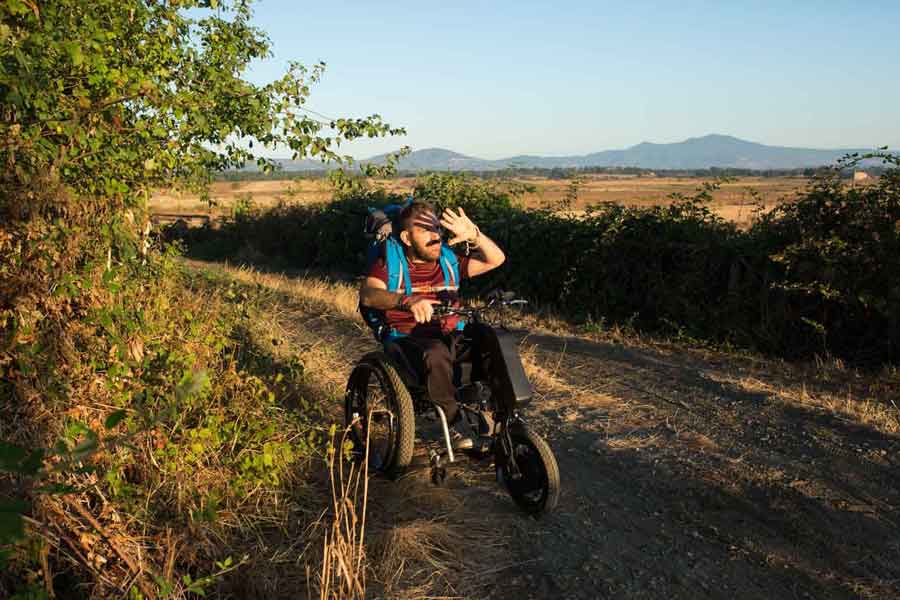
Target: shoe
[[459, 437]]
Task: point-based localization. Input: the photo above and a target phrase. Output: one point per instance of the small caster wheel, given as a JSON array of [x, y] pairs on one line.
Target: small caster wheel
[[439, 476]]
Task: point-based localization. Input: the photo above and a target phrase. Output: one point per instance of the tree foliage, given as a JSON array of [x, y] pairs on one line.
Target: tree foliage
[[100, 102], [113, 96]]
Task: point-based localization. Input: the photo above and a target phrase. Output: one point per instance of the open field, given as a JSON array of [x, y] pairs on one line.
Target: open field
[[733, 201]]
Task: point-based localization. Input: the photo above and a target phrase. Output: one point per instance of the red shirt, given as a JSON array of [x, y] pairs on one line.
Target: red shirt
[[423, 277]]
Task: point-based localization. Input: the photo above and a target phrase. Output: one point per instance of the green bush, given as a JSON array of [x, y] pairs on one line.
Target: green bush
[[116, 382], [833, 267], [814, 276]]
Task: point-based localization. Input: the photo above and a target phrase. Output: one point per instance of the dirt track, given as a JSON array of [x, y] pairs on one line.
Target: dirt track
[[685, 475]]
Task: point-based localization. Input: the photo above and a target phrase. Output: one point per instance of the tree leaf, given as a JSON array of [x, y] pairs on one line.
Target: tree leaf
[[11, 525], [114, 418], [11, 456], [75, 53]]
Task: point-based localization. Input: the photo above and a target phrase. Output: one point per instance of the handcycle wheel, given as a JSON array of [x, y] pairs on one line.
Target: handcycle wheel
[[536, 488], [377, 403]]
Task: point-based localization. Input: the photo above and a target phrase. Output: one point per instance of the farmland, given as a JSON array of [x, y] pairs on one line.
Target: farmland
[[733, 201]]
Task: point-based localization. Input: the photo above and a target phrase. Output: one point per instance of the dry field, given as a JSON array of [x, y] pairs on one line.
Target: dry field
[[733, 201]]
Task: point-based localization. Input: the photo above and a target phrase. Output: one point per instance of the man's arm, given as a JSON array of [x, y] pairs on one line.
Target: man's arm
[[487, 256], [374, 294]]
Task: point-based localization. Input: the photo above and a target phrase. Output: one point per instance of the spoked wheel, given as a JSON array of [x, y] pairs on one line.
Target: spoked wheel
[[535, 488], [378, 404]]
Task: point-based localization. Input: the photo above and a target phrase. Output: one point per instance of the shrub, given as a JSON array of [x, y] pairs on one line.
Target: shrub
[[810, 277]]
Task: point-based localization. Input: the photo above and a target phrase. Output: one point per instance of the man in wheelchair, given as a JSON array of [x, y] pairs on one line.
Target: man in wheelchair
[[423, 271]]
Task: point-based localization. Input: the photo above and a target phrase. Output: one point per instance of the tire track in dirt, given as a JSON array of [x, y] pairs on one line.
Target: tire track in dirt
[[682, 478]]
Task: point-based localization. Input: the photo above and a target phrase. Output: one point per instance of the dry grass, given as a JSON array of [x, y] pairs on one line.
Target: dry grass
[[733, 201], [343, 570], [857, 406], [417, 537]]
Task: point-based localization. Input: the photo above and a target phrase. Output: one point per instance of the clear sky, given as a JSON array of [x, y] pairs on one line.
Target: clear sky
[[495, 79]]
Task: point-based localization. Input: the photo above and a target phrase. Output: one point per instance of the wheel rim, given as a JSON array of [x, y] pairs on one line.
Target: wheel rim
[[531, 487], [370, 395]]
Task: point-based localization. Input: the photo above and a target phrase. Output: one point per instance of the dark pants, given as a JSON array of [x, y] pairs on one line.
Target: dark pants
[[433, 361]]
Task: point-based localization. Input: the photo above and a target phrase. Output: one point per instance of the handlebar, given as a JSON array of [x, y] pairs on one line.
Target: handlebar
[[445, 310]]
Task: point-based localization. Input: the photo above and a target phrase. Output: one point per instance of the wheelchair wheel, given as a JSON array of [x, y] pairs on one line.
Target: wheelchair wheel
[[378, 404], [536, 487]]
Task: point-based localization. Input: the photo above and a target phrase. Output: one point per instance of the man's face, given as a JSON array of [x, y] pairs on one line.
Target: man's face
[[424, 235]]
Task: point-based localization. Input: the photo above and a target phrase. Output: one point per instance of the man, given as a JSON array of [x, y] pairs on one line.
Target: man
[[430, 345]]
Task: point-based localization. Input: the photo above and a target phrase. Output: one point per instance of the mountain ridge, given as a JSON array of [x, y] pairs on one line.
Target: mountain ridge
[[703, 152]]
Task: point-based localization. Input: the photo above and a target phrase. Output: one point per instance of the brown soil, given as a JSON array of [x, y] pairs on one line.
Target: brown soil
[[685, 474]]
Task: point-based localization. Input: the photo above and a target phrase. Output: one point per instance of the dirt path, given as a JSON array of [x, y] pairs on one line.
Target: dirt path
[[681, 482], [684, 476]]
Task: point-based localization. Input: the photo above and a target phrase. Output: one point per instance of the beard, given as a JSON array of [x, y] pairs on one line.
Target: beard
[[428, 252]]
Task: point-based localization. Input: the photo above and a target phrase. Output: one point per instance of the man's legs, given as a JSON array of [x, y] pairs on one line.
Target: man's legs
[[434, 361]]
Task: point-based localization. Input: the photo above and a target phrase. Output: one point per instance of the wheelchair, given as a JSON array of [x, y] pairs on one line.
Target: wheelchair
[[385, 394]]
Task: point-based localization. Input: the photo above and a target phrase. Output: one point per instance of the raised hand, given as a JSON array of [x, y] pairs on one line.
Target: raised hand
[[461, 226]]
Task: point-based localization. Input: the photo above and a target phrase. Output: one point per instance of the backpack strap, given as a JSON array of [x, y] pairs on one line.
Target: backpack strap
[[449, 266], [397, 267]]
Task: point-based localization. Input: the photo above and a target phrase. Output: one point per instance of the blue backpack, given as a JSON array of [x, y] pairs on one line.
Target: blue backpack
[[382, 227]]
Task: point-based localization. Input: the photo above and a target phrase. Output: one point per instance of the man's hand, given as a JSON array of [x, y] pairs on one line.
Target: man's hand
[[422, 309], [461, 226]]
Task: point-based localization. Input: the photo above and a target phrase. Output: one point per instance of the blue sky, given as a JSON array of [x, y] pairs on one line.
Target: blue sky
[[495, 79]]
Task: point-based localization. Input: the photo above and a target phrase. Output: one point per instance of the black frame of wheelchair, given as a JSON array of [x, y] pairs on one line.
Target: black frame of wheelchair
[[491, 384]]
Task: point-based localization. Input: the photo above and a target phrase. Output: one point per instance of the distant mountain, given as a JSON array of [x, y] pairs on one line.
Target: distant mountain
[[714, 150], [436, 159]]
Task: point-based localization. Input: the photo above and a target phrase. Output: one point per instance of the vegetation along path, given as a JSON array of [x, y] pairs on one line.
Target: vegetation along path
[[686, 473]]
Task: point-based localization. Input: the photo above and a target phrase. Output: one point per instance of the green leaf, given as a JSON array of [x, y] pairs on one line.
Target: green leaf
[[85, 449], [11, 456], [34, 462], [166, 587], [15, 459], [192, 383], [56, 489], [11, 524], [114, 418], [75, 53]]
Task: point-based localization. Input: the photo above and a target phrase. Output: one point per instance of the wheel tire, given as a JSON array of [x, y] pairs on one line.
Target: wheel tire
[[402, 423], [537, 491]]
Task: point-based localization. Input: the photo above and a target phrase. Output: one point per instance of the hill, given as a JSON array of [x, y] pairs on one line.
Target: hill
[[714, 150]]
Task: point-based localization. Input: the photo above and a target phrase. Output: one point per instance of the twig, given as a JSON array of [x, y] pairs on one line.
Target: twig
[[146, 589], [895, 405], [45, 568]]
